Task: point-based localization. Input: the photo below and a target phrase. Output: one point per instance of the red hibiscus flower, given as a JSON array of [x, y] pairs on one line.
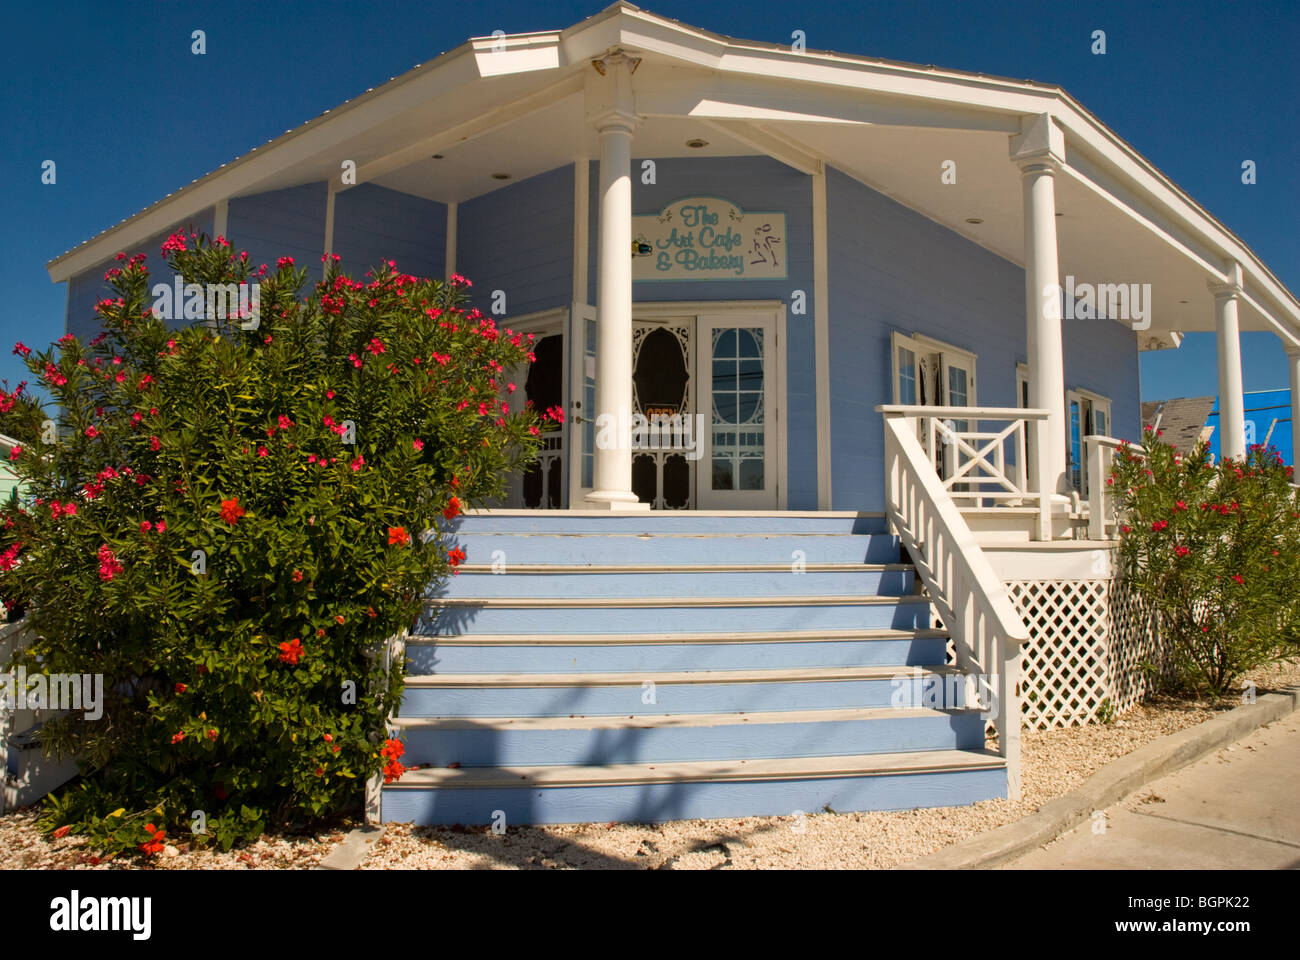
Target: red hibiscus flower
[[231, 511], [291, 652], [398, 535], [456, 556], [452, 510]]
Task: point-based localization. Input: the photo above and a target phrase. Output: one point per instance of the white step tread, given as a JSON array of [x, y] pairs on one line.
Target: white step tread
[[637, 678], [634, 639], [543, 568], [660, 721], [798, 768], [541, 603]]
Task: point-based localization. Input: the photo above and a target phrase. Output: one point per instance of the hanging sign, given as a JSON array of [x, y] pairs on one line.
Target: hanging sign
[[707, 238]]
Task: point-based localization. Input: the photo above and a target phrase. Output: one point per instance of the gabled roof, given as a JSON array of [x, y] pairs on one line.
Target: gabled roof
[[886, 123]]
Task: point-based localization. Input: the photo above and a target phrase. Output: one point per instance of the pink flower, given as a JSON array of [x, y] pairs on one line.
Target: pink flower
[[108, 565], [358, 463], [417, 443], [92, 432], [21, 348], [16, 452], [284, 262], [263, 452], [145, 526]]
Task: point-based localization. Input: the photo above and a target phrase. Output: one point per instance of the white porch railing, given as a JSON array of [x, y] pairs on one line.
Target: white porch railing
[[986, 631], [1101, 506], [985, 454]]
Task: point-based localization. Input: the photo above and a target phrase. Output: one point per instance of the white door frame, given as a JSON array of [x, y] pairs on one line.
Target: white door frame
[[653, 311]]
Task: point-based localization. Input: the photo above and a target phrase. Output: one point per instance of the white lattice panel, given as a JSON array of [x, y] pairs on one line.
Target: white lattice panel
[[1090, 644]]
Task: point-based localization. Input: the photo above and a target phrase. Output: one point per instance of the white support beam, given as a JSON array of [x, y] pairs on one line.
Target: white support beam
[[765, 141], [822, 337], [449, 252], [329, 219], [1232, 401], [581, 227], [221, 218], [1039, 151], [610, 108], [1293, 366]]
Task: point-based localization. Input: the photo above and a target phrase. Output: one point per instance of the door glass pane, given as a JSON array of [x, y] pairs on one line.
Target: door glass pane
[[738, 419], [1075, 476], [957, 393], [906, 376]]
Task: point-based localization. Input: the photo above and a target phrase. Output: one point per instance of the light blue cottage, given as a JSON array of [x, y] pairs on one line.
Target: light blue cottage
[[844, 345]]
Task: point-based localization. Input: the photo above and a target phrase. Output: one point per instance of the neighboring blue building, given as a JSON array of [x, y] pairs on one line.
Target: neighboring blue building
[[1268, 421]]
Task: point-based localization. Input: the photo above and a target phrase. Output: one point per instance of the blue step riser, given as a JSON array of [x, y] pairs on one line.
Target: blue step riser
[[507, 549], [904, 615], [684, 522], [738, 741], [629, 699], [656, 803], [427, 658], [886, 583]]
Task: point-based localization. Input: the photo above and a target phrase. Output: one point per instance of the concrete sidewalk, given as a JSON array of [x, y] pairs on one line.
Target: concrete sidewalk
[[1239, 807]]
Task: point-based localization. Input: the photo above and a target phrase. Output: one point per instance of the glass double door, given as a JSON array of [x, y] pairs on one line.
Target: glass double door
[[703, 424]]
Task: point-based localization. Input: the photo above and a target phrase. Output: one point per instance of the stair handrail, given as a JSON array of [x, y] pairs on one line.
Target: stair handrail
[[987, 632]]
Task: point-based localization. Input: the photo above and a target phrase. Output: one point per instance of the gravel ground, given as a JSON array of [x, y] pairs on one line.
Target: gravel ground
[[1054, 762], [23, 848]]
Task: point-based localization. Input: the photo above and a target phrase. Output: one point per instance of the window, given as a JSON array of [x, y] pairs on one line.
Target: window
[[1086, 414], [930, 373]]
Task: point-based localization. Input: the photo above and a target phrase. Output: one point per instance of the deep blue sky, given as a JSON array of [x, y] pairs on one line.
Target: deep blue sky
[[110, 92]]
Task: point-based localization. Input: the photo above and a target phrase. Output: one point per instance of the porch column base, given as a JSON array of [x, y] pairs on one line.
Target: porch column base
[[614, 501]]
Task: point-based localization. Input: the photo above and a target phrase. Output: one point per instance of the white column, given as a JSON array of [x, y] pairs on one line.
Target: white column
[[1293, 365], [1039, 151], [615, 120], [1232, 404]]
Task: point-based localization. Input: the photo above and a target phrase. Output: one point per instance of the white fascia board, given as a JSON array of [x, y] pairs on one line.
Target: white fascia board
[[499, 56]]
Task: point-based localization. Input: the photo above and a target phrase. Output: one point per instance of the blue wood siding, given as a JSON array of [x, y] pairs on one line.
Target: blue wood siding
[[88, 287], [281, 223], [373, 223], [893, 269], [519, 239], [1101, 356]]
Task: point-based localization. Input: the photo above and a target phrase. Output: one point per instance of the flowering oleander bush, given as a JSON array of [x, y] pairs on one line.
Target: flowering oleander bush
[[1214, 550], [229, 520]]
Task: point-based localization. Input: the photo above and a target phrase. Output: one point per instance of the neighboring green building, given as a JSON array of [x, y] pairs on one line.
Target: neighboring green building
[[8, 480]]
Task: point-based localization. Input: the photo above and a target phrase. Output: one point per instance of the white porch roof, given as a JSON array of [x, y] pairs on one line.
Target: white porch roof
[[515, 104]]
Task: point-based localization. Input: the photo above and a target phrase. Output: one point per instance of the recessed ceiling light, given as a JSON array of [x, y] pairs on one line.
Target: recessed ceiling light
[[696, 143], [437, 156], [1182, 301], [974, 219], [500, 176], [1059, 213]]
